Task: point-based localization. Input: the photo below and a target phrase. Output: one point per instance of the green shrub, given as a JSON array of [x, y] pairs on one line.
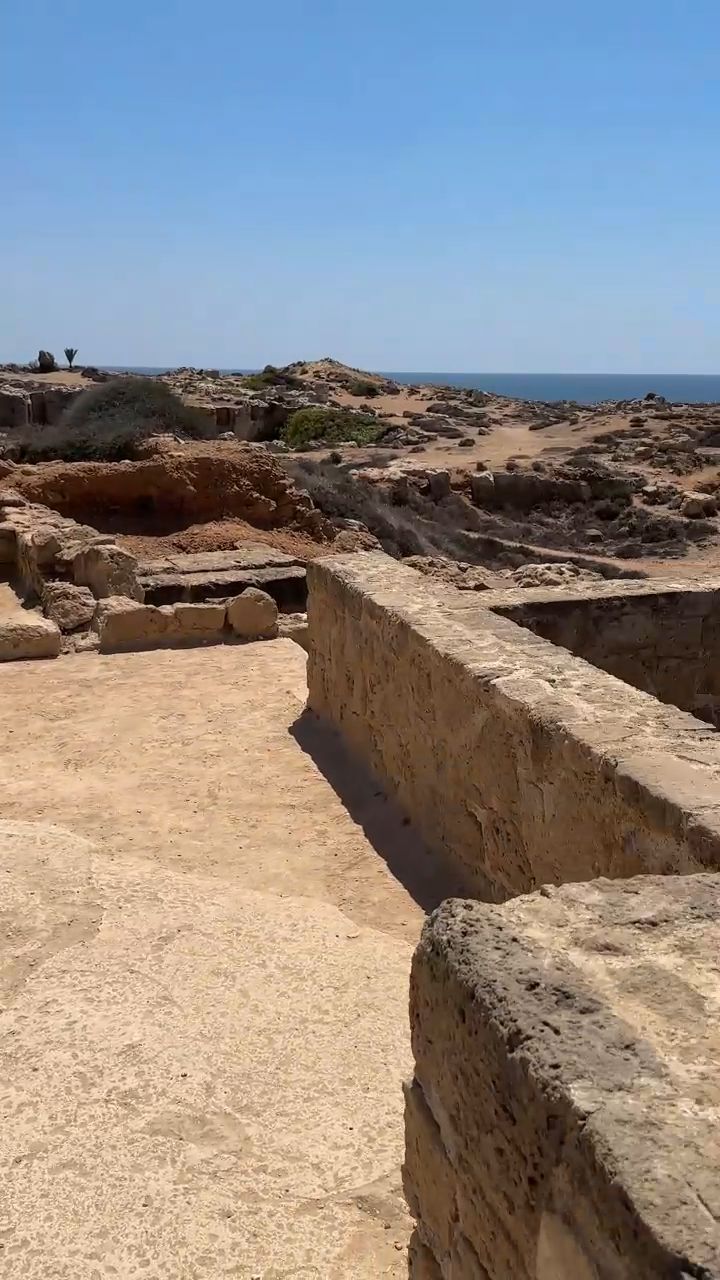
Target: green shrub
[[271, 377], [367, 390], [331, 425], [107, 421]]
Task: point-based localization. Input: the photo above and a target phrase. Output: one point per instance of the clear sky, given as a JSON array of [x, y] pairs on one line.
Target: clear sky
[[514, 185]]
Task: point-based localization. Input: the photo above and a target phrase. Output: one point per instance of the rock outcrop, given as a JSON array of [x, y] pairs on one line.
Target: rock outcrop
[[187, 483]]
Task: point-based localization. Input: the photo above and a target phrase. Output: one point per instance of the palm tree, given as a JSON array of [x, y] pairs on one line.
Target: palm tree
[[70, 354]]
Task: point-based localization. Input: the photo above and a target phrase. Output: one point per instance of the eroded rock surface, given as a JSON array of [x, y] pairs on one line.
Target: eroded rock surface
[[563, 1119]]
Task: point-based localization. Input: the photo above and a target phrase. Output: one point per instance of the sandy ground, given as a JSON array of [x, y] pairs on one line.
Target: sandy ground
[[10, 605], [60, 378], [205, 951]]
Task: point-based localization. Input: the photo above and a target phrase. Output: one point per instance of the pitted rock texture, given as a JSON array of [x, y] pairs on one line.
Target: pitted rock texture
[[563, 1119]]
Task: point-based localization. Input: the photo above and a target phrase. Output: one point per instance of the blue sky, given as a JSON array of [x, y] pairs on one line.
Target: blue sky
[[405, 185]]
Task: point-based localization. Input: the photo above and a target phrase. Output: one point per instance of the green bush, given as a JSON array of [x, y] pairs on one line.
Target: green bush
[[271, 377], [366, 390], [107, 421], [331, 425]]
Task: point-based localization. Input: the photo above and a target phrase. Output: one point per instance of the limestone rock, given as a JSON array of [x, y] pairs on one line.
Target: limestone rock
[[253, 615], [561, 1124], [46, 362], [439, 484], [356, 540], [124, 623], [107, 571], [37, 637], [8, 542], [457, 573], [10, 498], [36, 548], [482, 487], [294, 626], [14, 409], [551, 575], [198, 622], [69, 606], [694, 505]]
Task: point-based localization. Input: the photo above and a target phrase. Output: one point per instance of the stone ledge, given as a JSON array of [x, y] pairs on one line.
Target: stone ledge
[[563, 1121], [518, 762]]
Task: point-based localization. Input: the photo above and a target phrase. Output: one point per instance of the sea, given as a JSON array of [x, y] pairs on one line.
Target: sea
[[581, 388]]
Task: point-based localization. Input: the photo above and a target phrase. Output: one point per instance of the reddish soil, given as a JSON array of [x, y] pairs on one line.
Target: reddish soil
[[223, 535], [174, 489]]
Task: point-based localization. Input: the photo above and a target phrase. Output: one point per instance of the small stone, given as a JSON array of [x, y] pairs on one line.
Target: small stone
[[694, 505], [253, 615], [69, 606]]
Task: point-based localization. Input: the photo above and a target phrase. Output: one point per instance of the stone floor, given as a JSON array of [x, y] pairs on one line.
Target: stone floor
[[204, 942]]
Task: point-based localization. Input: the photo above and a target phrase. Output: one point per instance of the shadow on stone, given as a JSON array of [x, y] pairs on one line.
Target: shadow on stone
[[416, 867]]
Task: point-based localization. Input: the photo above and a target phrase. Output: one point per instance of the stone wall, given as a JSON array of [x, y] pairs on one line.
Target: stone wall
[[20, 407], [519, 763], [562, 1122], [563, 1119], [661, 637]]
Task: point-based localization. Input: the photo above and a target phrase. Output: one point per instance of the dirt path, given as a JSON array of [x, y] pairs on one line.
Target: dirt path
[[204, 987]]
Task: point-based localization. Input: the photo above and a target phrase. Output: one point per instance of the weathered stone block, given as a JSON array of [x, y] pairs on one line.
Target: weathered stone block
[[199, 622], [123, 623], [482, 488], [36, 637], [71, 607], [563, 1124], [253, 615], [36, 548], [14, 410], [294, 626], [107, 571]]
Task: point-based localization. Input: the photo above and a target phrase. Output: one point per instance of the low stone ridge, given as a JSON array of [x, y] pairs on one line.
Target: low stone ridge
[[562, 1123], [123, 624], [518, 762]]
